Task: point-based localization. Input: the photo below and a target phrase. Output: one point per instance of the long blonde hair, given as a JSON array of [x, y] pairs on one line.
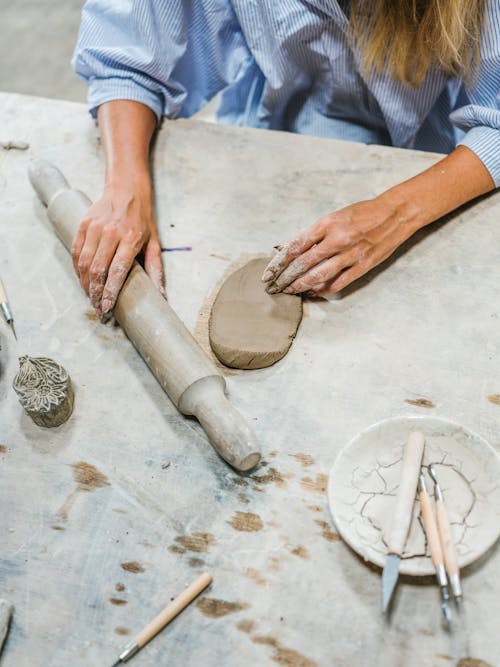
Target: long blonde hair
[[406, 37]]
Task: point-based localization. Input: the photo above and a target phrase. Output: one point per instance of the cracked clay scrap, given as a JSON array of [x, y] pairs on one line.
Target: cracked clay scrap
[[364, 479], [248, 327]]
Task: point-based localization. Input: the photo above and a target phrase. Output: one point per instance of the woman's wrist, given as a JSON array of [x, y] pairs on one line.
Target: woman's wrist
[[399, 203], [139, 183], [453, 181]]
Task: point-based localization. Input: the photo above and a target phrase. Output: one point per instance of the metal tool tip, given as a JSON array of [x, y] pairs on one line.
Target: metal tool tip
[[118, 662], [432, 472], [389, 579], [446, 613]]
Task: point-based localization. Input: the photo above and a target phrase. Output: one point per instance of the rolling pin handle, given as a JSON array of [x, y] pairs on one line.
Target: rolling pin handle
[[227, 430], [46, 179]]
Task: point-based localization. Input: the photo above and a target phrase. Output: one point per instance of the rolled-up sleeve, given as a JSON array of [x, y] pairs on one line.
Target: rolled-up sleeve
[[171, 56], [480, 119]]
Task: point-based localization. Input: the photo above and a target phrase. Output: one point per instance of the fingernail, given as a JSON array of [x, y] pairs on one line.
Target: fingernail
[[266, 276], [288, 290], [106, 306], [272, 288]]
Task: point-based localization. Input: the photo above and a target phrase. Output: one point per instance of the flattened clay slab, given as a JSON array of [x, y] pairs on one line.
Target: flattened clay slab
[[44, 390], [249, 328], [365, 477]]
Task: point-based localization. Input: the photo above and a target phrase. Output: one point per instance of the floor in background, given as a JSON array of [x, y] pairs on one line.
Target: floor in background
[[37, 38]]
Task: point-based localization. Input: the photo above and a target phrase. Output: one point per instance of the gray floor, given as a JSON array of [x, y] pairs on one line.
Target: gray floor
[[37, 38]]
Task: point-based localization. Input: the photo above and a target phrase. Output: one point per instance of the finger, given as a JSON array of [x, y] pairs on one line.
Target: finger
[[154, 265], [99, 269], [78, 241], [316, 290], [87, 255], [299, 266], [343, 280], [290, 251], [321, 273], [118, 271]]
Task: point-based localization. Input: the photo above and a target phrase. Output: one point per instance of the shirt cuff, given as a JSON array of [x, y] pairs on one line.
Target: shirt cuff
[[485, 143], [117, 88]]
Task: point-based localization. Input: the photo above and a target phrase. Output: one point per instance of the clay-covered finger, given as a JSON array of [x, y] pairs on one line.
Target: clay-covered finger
[[87, 254], [319, 274], [290, 251], [99, 269], [77, 245], [118, 271], [298, 267], [342, 281], [154, 265]]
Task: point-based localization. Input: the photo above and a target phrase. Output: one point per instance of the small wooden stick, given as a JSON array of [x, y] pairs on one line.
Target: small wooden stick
[[432, 533], [449, 551], [164, 617]]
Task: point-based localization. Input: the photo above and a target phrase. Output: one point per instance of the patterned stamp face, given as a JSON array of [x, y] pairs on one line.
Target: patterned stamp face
[[44, 390], [365, 478]]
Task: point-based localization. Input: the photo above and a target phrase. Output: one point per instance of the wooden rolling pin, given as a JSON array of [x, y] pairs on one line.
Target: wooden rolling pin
[[179, 364]]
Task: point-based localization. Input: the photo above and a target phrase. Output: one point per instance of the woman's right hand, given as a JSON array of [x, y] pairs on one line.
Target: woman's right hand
[[115, 230]]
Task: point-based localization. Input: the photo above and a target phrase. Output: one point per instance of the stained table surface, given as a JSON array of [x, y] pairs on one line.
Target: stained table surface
[[88, 564]]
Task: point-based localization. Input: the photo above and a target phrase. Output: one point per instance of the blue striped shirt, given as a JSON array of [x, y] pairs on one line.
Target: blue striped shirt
[[282, 65]]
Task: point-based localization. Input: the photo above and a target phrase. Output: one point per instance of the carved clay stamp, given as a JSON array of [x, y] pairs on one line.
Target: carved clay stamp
[[44, 390]]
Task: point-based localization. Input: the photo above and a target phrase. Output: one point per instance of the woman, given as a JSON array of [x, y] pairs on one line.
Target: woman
[[421, 74]]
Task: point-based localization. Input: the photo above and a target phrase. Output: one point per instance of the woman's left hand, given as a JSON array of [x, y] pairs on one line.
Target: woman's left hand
[[340, 247]]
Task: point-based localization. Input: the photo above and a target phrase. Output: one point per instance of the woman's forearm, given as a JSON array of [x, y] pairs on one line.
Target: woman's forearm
[[121, 223], [342, 246], [126, 130], [453, 181]]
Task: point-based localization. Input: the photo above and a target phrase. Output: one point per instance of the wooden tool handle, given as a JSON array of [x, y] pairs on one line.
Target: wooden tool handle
[[447, 544], [431, 529], [3, 293], [171, 610], [405, 497]]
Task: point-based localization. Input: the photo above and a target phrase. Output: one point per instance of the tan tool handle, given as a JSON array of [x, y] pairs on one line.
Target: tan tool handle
[[3, 293], [405, 497], [171, 611], [431, 529], [171, 352], [447, 544]]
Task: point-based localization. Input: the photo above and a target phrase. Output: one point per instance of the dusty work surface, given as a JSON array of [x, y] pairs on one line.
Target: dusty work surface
[[97, 536]]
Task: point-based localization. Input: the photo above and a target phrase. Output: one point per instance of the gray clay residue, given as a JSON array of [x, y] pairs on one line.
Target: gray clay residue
[[249, 328]]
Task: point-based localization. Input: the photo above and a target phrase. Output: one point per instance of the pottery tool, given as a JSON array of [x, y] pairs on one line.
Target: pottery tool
[[4, 305], [185, 372], [405, 498], [164, 617], [446, 538], [432, 533], [6, 611]]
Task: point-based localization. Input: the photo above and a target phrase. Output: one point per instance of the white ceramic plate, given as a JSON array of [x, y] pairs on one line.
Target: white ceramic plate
[[365, 476]]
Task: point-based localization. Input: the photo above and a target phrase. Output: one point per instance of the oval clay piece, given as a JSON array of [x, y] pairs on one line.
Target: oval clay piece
[[248, 327]]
